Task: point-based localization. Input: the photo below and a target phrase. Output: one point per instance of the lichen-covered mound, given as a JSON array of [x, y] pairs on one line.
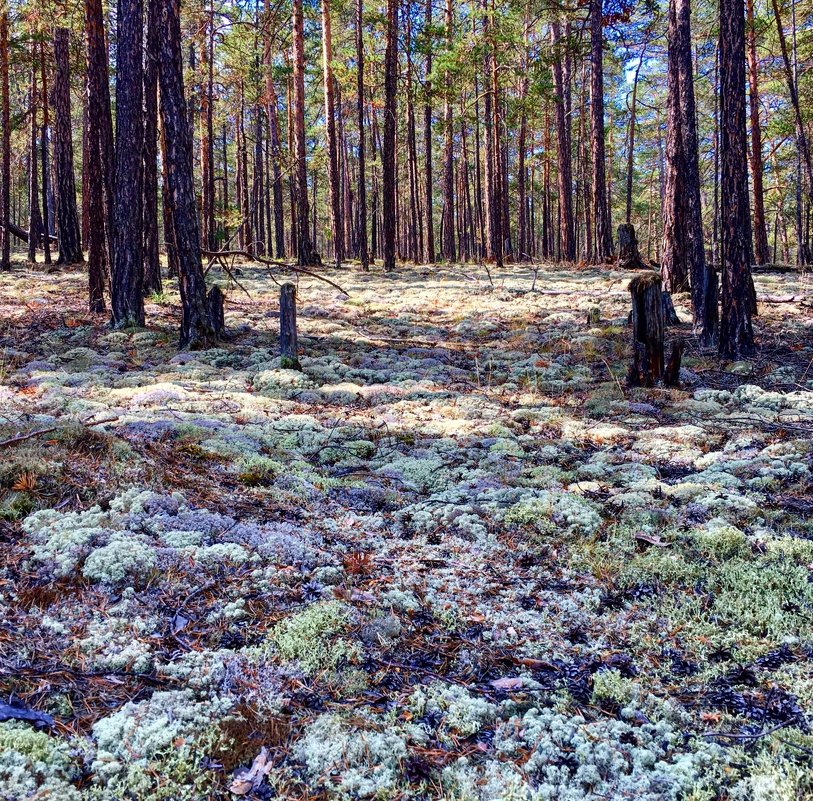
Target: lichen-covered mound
[[453, 557]]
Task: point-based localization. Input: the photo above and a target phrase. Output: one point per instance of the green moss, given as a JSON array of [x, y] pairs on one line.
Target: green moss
[[289, 363], [610, 685], [310, 637]]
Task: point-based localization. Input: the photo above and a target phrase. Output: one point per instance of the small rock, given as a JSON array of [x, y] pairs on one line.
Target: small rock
[[381, 631]]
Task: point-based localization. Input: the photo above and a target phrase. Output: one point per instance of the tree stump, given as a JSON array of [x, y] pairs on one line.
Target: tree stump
[[628, 256], [214, 304], [647, 330], [289, 359], [594, 315], [671, 376], [670, 316]]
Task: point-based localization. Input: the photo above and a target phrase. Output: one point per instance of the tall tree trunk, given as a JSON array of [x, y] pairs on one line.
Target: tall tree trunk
[[603, 250], [166, 205], [388, 162], [272, 111], [364, 256], [563, 148], [5, 257], [258, 190], [448, 243], [495, 201], [334, 190], [34, 211], [413, 237], [196, 328], [803, 150], [674, 269], [761, 252], [70, 237], [101, 115], [429, 222], [46, 217], [631, 134], [98, 264], [306, 254], [152, 56], [736, 333], [128, 264], [703, 277]]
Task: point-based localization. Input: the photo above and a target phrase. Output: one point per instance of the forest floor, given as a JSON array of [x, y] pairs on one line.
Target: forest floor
[[455, 557]]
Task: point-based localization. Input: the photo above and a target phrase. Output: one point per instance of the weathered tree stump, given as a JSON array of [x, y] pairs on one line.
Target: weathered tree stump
[[628, 256], [214, 304], [671, 376], [289, 359], [647, 330], [594, 315]]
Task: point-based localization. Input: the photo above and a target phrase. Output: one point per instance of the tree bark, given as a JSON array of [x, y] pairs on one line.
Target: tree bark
[[564, 156], [603, 250], [68, 231], [306, 254], [429, 222], [761, 251], [98, 265], [196, 328], [647, 330], [46, 218], [736, 332], [128, 263], [336, 228], [101, 115], [288, 346], [5, 257], [388, 162], [152, 56], [34, 211], [364, 255], [272, 106], [674, 268]]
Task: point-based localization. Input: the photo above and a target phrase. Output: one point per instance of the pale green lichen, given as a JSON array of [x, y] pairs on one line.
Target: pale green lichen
[[35, 765], [350, 762]]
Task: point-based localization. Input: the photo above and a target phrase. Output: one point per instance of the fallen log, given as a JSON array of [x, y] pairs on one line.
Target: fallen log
[[22, 234]]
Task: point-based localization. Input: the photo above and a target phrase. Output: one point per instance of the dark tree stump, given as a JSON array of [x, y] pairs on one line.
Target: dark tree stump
[[671, 376], [289, 359], [628, 256], [214, 304], [669, 314], [647, 330], [594, 315]]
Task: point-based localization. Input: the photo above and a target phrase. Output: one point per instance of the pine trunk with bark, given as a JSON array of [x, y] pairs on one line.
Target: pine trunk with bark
[[34, 211], [334, 189], [68, 230], [567, 251], [761, 251], [736, 332], [364, 256], [447, 223], [603, 247], [388, 161], [5, 234], [128, 263], [152, 55], [196, 327], [306, 254]]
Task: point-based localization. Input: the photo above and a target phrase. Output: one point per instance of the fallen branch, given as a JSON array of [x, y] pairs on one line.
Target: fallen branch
[[214, 254], [40, 431], [22, 234]]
